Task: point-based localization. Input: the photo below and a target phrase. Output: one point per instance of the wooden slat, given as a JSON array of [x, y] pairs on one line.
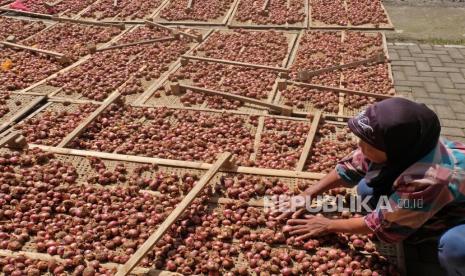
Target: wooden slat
[[32, 14], [258, 137], [309, 141], [179, 163], [78, 130], [343, 90], [177, 212], [265, 5], [150, 41], [282, 109], [305, 75], [21, 112], [14, 140], [47, 257], [87, 22], [190, 4], [197, 38], [238, 63], [32, 49]]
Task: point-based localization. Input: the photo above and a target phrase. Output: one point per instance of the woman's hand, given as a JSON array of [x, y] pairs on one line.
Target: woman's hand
[[318, 225], [309, 227], [292, 208], [330, 181]]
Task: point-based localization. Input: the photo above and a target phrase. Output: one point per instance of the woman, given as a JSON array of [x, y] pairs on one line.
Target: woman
[[400, 156]]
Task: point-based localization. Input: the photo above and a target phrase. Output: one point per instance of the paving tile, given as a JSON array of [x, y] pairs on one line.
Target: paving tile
[[434, 74], [436, 52], [445, 112], [457, 139], [445, 82], [422, 66], [434, 61], [431, 101], [393, 55], [398, 75], [414, 48], [419, 92], [457, 106], [445, 96], [445, 69], [445, 58], [402, 88], [404, 53], [453, 91], [454, 64], [461, 116], [416, 78], [460, 86], [425, 46], [410, 71], [432, 86], [451, 131], [409, 83], [403, 63], [457, 77], [454, 53], [453, 123]]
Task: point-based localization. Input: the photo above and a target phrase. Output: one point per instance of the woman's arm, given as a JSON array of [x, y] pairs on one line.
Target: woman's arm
[[317, 225], [330, 181]]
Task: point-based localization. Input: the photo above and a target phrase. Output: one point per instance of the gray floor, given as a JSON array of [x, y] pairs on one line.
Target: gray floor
[[437, 22]]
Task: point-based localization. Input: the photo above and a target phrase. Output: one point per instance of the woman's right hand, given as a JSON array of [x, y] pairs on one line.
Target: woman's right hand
[[294, 206]]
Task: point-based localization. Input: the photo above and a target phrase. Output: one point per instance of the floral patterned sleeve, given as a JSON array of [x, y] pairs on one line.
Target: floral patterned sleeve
[[353, 167]]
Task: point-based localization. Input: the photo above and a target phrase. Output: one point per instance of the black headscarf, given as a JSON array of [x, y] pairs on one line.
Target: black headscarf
[[406, 131]]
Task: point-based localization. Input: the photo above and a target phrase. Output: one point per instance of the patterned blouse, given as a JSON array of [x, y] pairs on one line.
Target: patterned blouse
[[428, 198]]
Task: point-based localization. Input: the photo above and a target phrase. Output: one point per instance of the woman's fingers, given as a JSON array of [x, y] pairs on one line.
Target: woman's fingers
[[298, 213], [302, 230], [297, 221], [305, 236]]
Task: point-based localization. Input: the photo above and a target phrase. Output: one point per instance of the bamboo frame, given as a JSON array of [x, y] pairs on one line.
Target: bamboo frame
[[62, 57], [309, 142], [180, 163], [174, 31], [305, 75], [88, 22], [72, 66], [48, 25], [232, 23], [349, 26], [175, 66], [212, 22], [190, 4], [237, 63], [285, 110], [222, 160], [79, 129], [143, 42], [291, 36], [31, 14], [342, 90]]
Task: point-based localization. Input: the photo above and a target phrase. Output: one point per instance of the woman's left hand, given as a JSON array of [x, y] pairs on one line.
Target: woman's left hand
[[310, 227]]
